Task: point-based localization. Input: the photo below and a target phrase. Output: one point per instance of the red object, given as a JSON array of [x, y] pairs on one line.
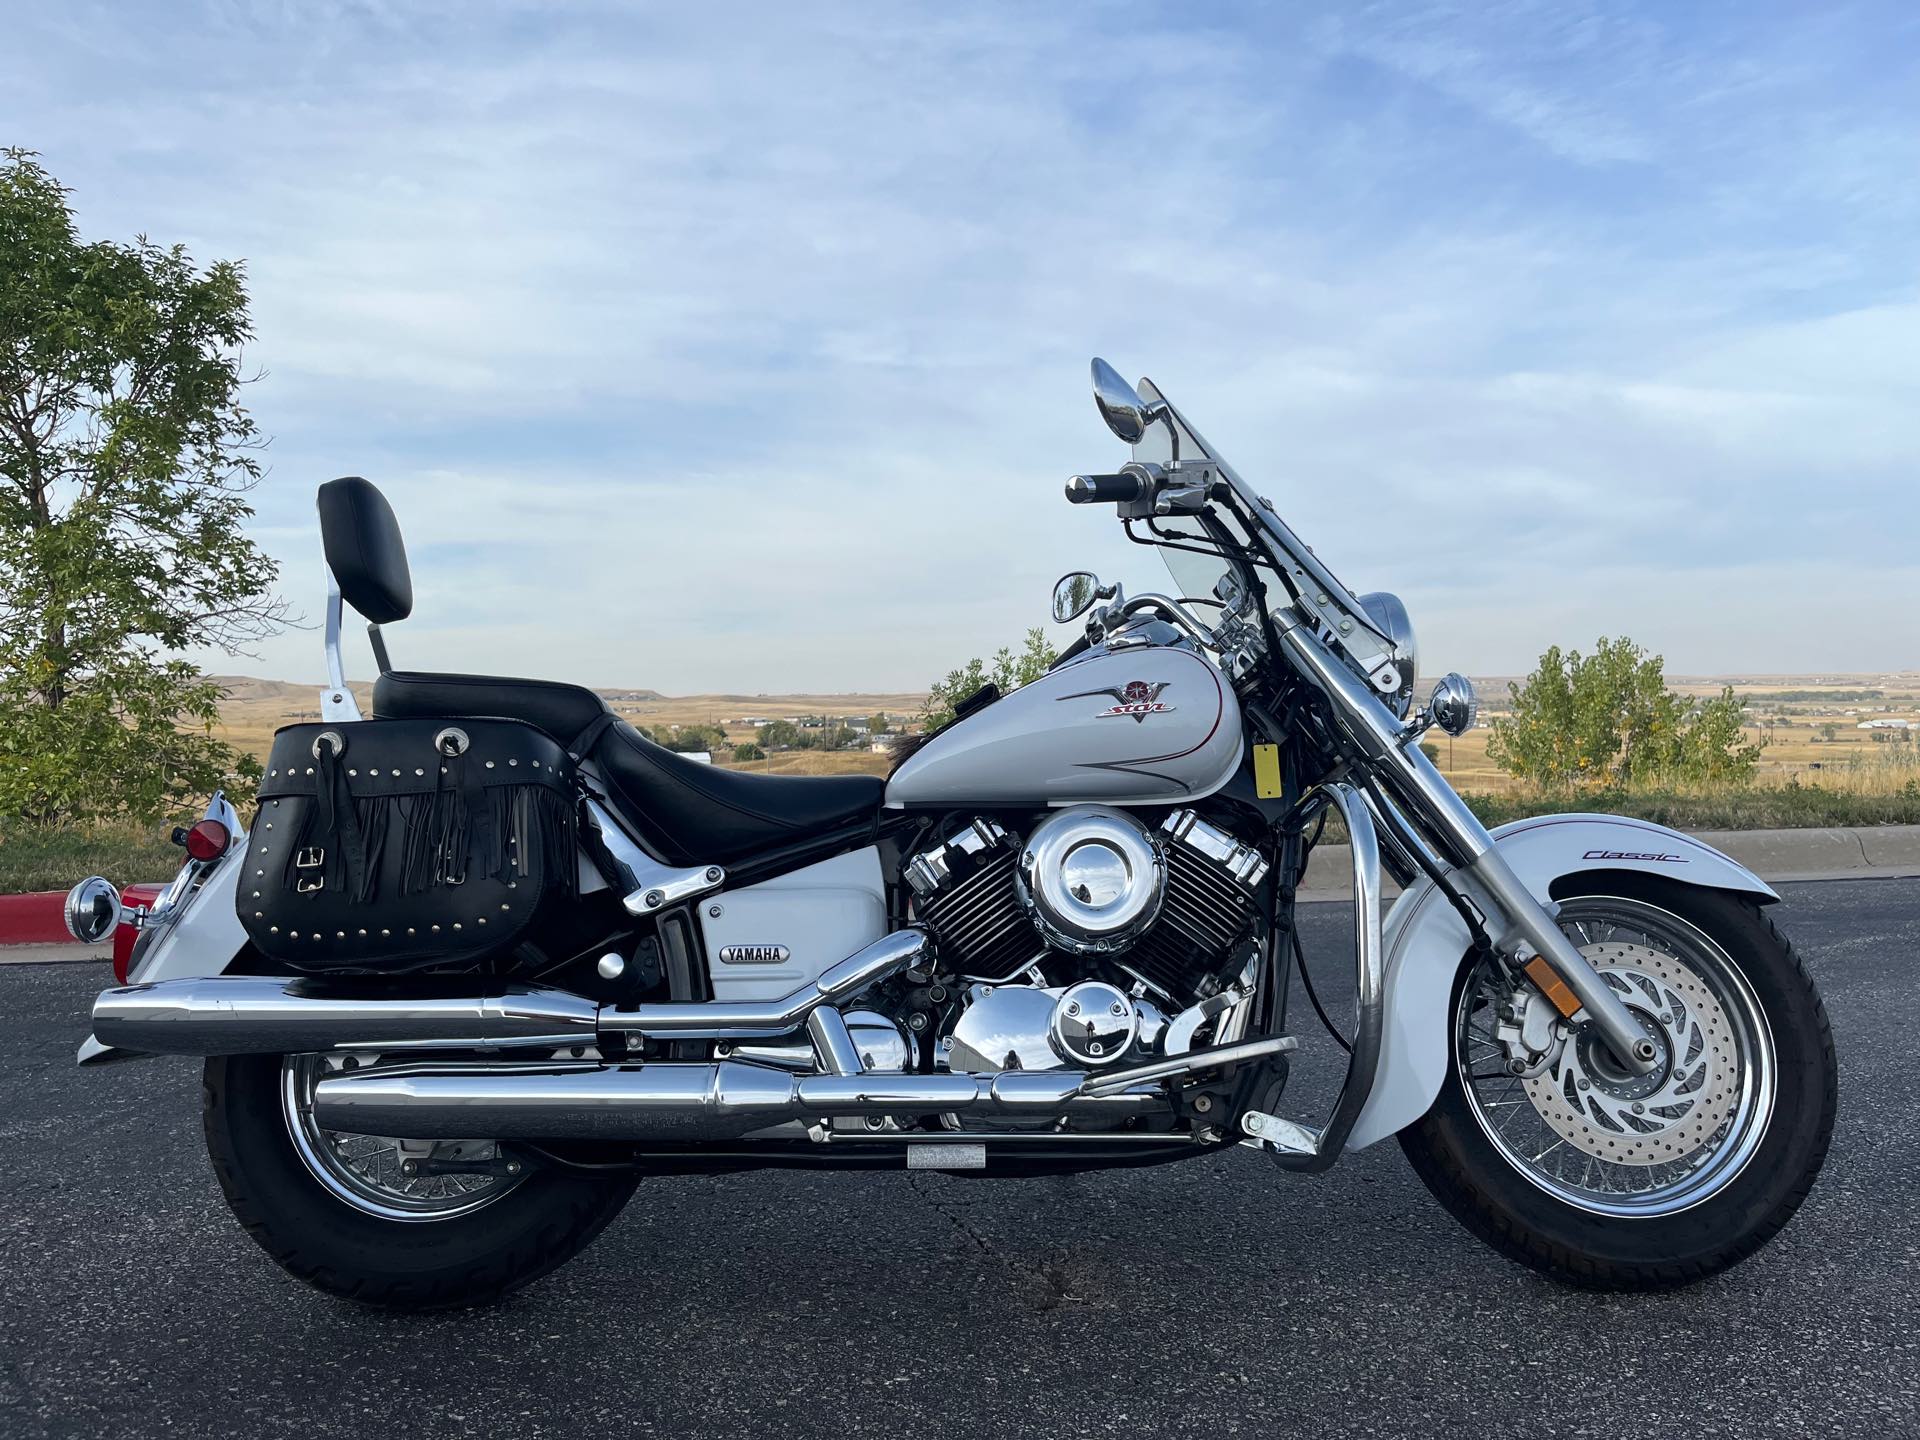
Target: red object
[[208, 840], [36, 919], [124, 934]]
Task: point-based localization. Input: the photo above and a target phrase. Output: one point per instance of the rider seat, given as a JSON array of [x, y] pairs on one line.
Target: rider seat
[[686, 812]]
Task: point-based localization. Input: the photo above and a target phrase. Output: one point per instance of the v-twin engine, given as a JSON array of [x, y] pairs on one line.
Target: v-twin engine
[[1090, 887]]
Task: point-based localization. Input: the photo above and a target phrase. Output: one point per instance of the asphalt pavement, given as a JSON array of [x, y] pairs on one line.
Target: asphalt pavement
[[1217, 1297]]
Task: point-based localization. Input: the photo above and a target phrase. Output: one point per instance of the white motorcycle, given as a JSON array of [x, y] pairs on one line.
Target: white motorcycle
[[485, 961]]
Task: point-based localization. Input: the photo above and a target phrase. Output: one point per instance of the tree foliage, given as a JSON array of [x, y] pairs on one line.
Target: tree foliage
[[1608, 719], [686, 739], [1008, 670], [125, 462]]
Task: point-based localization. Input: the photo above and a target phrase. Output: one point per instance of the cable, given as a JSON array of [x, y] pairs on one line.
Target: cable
[[1300, 960]]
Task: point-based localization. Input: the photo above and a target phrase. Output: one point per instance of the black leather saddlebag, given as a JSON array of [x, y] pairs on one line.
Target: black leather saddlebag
[[391, 845]]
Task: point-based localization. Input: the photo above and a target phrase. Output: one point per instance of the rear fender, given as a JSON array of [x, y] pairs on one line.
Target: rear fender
[[203, 937], [1427, 941]]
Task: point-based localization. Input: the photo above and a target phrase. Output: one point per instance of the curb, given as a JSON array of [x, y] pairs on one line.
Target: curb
[[1867, 853]]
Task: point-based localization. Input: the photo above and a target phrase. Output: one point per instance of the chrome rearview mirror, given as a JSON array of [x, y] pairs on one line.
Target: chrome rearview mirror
[[1120, 405], [1074, 594], [93, 909]]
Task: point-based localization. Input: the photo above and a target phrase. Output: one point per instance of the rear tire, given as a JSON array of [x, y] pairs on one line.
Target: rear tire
[[473, 1255], [1695, 1226]]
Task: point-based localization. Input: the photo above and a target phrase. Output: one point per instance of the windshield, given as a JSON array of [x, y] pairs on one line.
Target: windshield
[[1299, 570], [1194, 575]]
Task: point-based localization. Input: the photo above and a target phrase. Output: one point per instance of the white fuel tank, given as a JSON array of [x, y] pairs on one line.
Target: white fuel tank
[[1147, 726]]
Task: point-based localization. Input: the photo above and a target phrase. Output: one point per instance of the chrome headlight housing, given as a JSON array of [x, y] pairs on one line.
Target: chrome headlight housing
[[1387, 612]]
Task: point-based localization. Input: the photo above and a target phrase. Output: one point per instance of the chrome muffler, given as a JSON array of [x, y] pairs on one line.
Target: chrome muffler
[[672, 1101], [270, 1015], [274, 1015]]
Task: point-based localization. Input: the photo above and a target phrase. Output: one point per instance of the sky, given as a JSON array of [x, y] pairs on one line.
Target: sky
[[744, 347]]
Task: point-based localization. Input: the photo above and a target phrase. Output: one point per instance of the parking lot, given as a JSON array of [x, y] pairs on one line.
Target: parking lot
[[1217, 1297]]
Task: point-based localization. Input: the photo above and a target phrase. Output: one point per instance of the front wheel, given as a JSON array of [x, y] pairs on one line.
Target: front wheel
[[410, 1225], [1551, 1153]]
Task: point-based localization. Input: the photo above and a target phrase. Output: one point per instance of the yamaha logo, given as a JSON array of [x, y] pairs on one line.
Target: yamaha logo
[[754, 954], [1136, 698]]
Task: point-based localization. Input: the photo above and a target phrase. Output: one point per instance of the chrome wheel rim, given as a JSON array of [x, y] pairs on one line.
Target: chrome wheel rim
[[369, 1172], [1581, 1130]]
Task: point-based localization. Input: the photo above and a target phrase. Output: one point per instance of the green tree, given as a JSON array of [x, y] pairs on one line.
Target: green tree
[[125, 462], [1609, 719], [1008, 671], [779, 735], [749, 751], [877, 724], [685, 739]]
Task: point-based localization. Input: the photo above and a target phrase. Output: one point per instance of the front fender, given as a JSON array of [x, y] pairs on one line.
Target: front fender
[[1426, 941]]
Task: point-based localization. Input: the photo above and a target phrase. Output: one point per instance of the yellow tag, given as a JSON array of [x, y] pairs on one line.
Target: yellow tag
[[1266, 772]]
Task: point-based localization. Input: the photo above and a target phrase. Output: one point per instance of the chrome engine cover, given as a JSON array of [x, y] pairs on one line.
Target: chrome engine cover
[[1094, 1024], [1091, 879], [1025, 1027]]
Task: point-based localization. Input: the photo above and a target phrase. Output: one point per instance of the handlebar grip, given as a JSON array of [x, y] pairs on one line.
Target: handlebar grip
[[1091, 489]]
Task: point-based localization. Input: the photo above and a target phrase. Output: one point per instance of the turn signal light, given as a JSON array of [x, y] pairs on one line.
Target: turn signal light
[[207, 840]]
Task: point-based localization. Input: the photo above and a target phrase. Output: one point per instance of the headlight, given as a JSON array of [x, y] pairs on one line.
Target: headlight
[[1386, 611], [1454, 707]]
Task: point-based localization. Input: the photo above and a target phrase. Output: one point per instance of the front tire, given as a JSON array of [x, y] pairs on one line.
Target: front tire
[[344, 1218], [1620, 1184]]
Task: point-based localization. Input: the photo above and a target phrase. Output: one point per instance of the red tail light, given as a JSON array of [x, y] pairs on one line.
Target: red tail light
[[208, 840]]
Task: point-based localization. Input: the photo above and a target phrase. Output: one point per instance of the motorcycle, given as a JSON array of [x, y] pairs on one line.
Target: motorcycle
[[1059, 936]]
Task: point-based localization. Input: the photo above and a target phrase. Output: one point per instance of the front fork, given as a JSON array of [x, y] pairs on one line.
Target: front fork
[[1468, 866]]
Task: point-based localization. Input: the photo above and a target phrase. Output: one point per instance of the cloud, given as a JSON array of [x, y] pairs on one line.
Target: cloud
[[745, 348]]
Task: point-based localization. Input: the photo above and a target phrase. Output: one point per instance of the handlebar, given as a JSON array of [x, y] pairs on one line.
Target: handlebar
[[1093, 489]]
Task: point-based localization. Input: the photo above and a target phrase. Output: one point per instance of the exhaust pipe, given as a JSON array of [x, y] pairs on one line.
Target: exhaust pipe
[[266, 1015], [670, 1102], [271, 1015]]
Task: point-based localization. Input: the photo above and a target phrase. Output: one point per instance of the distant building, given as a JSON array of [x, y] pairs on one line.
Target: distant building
[[1885, 725]]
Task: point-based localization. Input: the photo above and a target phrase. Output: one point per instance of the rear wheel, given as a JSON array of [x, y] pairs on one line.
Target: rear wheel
[[1548, 1150], [411, 1225]]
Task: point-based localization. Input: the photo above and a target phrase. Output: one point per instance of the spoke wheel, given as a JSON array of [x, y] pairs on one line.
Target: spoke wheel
[[380, 1175], [1582, 1129]]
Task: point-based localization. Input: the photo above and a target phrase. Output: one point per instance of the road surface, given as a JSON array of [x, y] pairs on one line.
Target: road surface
[[1213, 1298]]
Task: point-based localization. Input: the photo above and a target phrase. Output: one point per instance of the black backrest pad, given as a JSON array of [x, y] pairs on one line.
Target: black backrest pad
[[364, 549]]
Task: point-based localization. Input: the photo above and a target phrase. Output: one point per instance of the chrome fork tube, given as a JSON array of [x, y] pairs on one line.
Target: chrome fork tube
[[1516, 919]]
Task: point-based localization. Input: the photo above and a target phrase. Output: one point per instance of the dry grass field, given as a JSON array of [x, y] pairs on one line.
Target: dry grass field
[[1793, 716]]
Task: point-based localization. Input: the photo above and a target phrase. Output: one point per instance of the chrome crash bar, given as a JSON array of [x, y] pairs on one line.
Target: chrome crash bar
[[1292, 1144]]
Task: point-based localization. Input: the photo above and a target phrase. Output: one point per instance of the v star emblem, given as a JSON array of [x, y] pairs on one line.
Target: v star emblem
[[1136, 698]]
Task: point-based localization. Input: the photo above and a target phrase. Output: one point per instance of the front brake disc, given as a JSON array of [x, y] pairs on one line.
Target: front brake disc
[[1591, 1103]]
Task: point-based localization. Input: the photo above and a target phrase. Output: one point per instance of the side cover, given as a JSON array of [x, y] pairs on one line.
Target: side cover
[[1148, 726], [1426, 941], [767, 940]]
